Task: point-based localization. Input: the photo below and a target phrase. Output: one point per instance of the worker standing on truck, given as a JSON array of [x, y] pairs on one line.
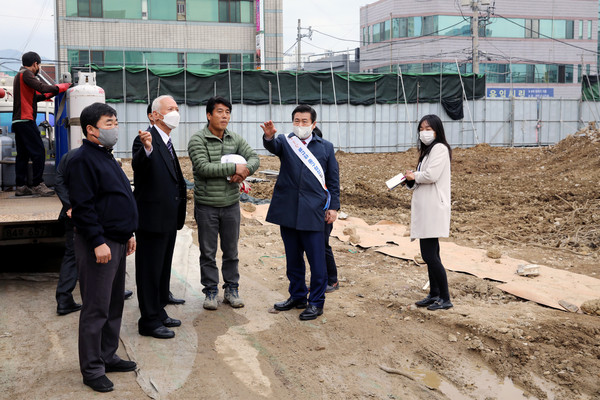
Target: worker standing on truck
[[27, 91]]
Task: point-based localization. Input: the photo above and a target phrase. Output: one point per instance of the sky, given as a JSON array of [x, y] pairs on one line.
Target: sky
[[28, 25]]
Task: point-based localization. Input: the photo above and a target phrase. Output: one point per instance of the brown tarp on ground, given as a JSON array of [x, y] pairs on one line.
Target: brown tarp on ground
[[550, 287]]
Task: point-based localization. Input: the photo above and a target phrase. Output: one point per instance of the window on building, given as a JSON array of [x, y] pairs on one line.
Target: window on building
[[73, 57], [545, 28], [181, 10], [89, 8], [570, 29], [134, 58], [113, 58], [581, 23], [400, 27], [165, 10], [559, 29], [589, 29], [365, 36], [532, 28], [202, 10], [430, 25], [236, 11], [449, 68], [230, 61], [519, 73], [376, 33], [450, 25], [247, 11], [506, 28], [119, 9], [569, 73], [162, 59], [432, 67], [497, 73], [247, 61], [71, 8], [96, 56], [415, 26], [385, 30], [203, 60]]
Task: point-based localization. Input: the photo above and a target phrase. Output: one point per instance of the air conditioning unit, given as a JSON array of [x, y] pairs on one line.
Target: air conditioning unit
[[465, 3], [484, 2]]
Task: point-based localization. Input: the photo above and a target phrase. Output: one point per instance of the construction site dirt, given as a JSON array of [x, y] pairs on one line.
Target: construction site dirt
[[539, 205]]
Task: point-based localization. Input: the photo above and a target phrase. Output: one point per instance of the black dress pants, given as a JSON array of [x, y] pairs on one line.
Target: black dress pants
[[68, 270], [102, 287], [153, 258]]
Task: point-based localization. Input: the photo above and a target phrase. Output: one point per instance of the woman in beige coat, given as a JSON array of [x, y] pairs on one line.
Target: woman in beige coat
[[430, 207]]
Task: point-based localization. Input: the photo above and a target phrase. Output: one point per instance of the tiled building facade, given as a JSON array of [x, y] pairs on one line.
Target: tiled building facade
[[208, 34]]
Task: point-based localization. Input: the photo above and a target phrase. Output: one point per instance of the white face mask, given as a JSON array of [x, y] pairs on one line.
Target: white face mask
[[171, 119], [427, 136], [303, 132]]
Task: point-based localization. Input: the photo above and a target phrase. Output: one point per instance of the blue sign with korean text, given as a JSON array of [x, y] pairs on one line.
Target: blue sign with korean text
[[505, 93]]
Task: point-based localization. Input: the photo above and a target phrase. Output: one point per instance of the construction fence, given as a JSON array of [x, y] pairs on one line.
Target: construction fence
[[356, 112]]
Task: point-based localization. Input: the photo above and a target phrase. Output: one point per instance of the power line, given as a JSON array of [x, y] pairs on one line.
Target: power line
[[337, 38]]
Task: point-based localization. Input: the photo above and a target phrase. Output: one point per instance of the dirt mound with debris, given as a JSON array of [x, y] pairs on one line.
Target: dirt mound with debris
[[540, 205]]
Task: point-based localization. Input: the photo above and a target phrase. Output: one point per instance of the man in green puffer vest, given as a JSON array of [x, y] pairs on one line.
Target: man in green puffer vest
[[217, 199]]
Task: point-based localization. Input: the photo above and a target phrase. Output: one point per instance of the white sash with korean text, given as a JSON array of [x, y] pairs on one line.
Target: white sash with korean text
[[311, 162]]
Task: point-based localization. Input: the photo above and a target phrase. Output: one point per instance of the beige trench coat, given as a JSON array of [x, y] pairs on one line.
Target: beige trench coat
[[430, 206]]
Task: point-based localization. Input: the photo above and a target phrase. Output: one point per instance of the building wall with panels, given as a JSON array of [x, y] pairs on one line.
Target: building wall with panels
[[104, 34], [496, 50]]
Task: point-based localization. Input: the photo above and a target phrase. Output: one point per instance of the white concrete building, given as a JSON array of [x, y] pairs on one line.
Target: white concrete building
[[534, 47]]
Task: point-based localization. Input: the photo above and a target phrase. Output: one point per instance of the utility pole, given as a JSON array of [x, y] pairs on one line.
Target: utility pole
[[476, 21], [475, 35], [299, 51], [299, 41]]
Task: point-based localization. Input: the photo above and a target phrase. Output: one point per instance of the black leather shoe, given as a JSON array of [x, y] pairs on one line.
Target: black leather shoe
[[173, 300], [127, 294], [64, 310], [99, 384], [311, 312], [440, 305], [427, 301], [161, 332], [289, 304], [171, 322], [121, 366]]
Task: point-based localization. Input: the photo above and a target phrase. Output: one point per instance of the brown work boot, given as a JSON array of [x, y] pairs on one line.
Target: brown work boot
[[23, 191], [42, 190]]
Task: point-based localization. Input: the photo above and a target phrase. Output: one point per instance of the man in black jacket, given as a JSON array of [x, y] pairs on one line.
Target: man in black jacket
[[105, 216], [67, 279], [160, 194]]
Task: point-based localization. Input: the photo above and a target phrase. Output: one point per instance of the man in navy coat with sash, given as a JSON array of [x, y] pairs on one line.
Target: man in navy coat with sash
[[160, 194], [307, 193]]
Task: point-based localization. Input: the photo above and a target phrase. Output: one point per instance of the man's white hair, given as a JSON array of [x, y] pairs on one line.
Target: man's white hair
[[156, 102]]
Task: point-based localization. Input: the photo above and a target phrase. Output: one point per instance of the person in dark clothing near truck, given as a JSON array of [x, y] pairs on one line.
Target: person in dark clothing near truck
[[27, 91], [67, 279], [105, 216]]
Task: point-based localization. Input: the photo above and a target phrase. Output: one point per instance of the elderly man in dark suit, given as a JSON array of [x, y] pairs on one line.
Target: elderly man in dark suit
[[172, 299], [160, 194], [306, 195]]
